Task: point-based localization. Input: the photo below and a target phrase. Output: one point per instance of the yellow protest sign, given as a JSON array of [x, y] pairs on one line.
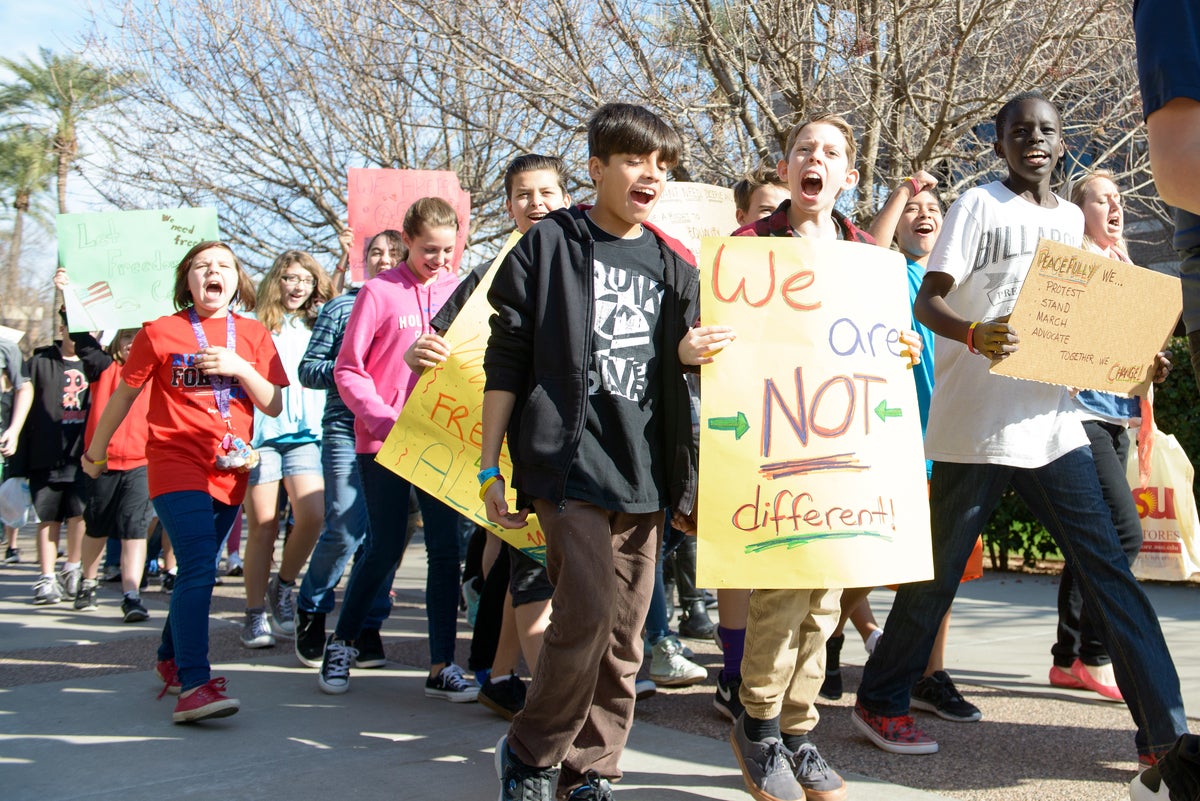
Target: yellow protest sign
[[812, 469], [435, 442], [1064, 316]]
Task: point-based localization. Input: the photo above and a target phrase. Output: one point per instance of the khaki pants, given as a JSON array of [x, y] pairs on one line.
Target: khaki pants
[[580, 704], [783, 666]]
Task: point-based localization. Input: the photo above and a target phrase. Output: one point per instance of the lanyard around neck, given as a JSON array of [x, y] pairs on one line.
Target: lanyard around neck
[[221, 384]]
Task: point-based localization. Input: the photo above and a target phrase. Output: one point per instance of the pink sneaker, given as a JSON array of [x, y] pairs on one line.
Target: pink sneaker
[[205, 702], [1097, 679], [896, 734], [1063, 678], [168, 674]]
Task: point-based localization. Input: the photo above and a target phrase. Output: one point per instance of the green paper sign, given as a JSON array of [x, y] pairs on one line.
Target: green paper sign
[[121, 264]]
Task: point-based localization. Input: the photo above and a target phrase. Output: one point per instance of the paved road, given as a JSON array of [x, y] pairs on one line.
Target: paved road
[[79, 719]]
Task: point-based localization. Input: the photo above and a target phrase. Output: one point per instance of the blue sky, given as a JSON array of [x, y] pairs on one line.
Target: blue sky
[[26, 25]]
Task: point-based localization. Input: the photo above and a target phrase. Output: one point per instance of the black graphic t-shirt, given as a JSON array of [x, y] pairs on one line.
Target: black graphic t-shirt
[[620, 461]]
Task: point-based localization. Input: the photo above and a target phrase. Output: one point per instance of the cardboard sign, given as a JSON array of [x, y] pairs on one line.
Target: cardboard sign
[[1090, 322], [812, 470], [690, 212], [121, 264], [377, 200], [435, 442]]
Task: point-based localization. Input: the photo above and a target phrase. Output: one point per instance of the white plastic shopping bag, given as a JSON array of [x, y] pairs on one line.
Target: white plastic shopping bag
[[1167, 507]]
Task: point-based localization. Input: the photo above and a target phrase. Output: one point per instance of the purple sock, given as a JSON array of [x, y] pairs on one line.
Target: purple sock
[[733, 642]]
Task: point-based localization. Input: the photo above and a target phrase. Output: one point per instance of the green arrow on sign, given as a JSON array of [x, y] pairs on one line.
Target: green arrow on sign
[[884, 412], [738, 425]]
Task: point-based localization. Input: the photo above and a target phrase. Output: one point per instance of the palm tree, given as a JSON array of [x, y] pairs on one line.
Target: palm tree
[[62, 89], [26, 166]]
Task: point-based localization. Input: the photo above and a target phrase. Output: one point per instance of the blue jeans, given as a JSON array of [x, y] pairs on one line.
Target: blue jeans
[[197, 525], [387, 508], [343, 536], [1065, 497], [658, 617]]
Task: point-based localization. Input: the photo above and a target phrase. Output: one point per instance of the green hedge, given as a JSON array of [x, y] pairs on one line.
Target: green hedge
[[1013, 530]]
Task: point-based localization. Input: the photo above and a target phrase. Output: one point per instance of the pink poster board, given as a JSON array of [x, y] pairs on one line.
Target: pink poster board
[[378, 198]]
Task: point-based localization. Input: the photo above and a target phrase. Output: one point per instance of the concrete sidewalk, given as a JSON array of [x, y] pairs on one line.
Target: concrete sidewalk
[[79, 719]]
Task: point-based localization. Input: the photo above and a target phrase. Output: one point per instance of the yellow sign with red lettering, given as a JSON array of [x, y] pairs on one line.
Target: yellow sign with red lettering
[[812, 468]]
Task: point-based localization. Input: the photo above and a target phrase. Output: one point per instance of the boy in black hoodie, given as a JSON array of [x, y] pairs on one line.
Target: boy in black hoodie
[[583, 375]]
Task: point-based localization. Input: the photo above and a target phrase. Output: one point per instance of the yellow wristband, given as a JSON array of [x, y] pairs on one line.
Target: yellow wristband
[[97, 462], [483, 488]]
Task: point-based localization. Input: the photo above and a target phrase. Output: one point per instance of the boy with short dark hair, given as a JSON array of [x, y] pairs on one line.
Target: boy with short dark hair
[[987, 432], [783, 664], [758, 194], [600, 434]]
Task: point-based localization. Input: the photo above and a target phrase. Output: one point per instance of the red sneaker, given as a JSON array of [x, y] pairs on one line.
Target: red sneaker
[[204, 702], [896, 734], [168, 674]]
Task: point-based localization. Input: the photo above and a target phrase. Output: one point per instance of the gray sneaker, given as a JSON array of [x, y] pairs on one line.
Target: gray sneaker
[[766, 766], [670, 668], [282, 599], [46, 591], [256, 631], [70, 579], [820, 782]]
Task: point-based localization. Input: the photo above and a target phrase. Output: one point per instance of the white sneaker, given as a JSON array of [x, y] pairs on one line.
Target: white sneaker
[[46, 591], [70, 578], [670, 668]]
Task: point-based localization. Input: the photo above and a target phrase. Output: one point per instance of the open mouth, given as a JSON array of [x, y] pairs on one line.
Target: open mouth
[[536, 215], [924, 228], [213, 289], [642, 195], [1037, 157], [811, 184]]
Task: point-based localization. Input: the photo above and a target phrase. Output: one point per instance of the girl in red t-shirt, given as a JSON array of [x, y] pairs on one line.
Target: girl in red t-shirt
[[202, 402]]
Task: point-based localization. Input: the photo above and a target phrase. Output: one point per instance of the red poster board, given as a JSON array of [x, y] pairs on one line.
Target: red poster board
[[378, 199]]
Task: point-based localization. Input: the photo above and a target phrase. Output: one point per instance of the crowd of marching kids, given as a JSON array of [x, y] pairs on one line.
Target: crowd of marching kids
[[179, 452]]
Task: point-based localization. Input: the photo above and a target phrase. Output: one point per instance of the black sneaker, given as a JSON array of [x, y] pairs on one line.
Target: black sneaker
[[594, 788], [520, 782], [938, 694], [370, 650], [12, 556], [133, 610], [85, 598], [334, 677], [820, 782], [310, 637], [726, 700], [450, 685], [505, 697], [168, 583], [832, 687]]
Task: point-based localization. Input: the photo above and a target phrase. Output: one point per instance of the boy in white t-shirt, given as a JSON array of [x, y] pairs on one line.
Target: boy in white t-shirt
[[988, 431]]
